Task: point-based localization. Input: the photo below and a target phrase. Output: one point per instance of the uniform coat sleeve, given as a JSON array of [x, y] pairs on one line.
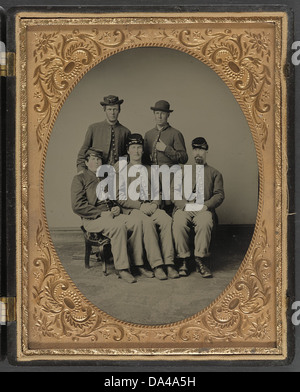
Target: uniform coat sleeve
[[126, 202], [217, 192], [147, 150], [177, 153], [87, 143], [80, 203], [213, 190]]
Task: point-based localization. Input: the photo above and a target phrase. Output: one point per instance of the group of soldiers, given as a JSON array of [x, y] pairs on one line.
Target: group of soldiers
[[146, 234]]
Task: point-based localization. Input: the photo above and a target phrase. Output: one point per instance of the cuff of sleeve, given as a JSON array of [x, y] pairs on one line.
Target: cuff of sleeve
[[207, 204]]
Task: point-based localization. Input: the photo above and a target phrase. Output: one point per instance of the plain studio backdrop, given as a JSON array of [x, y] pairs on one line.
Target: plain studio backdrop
[[203, 106]]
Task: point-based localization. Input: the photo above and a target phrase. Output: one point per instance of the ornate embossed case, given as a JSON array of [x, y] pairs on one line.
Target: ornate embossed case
[[228, 77]]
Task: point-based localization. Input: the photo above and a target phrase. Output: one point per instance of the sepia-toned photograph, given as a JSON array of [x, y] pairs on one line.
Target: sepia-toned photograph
[[152, 202], [181, 265]]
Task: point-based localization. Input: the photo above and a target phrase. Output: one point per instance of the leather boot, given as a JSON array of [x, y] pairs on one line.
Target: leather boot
[[146, 273], [183, 271], [172, 273], [160, 274], [126, 275], [202, 268]]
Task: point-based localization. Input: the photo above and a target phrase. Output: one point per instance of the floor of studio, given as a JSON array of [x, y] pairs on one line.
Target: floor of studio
[[151, 301]]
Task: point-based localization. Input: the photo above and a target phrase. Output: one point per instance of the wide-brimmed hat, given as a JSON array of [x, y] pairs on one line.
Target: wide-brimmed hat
[[162, 106], [111, 100], [135, 138], [200, 142], [94, 152]]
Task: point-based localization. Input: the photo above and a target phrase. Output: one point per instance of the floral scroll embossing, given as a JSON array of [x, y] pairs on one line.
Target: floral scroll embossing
[[59, 310], [241, 312], [240, 57], [61, 59]]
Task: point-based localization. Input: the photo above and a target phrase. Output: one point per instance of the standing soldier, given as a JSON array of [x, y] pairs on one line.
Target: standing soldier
[[109, 136], [164, 145]]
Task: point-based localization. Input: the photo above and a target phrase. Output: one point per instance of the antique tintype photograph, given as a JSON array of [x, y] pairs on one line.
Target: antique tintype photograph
[[151, 185], [159, 92]]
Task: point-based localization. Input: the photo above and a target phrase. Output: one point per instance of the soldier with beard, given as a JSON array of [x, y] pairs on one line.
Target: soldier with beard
[[185, 216]]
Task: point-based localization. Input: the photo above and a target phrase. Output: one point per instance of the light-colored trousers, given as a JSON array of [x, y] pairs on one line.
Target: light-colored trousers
[[126, 235], [158, 238], [203, 225]]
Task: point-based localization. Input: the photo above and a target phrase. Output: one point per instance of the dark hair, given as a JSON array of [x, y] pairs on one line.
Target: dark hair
[[86, 157]]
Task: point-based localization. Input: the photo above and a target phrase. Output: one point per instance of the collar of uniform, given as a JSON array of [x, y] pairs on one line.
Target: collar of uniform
[[163, 128], [112, 125], [90, 173]]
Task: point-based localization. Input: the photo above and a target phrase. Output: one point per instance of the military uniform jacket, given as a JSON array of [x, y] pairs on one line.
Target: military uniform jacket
[[84, 198], [128, 205], [213, 190], [99, 136], [175, 152]]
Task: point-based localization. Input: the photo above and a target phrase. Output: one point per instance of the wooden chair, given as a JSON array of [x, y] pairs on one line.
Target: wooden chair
[[103, 252]]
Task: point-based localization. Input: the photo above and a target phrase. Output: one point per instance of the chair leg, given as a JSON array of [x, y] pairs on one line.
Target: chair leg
[[103, 259], [88, 249]]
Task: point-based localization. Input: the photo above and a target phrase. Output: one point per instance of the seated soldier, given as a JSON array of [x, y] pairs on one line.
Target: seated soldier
[[157, 224], [105, 218], [186, 215]]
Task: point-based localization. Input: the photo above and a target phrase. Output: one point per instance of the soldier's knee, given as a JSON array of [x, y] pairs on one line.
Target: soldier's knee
[[134, 222], [118, 227], [162, 218], [180, 217], [204, 219], [147, 221]]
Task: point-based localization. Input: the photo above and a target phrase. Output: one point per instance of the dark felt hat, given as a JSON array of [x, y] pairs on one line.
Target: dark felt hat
[[162, 106], [200, 142], [135, 138], [111, 100], [94, 152]]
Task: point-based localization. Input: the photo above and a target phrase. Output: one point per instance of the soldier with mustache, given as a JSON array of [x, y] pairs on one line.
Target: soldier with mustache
[[186, 215]]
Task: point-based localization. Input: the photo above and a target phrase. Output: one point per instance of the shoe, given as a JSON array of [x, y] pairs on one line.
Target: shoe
[[146, 273], [172, 273], [204, 271], [159, 274], [183, 271], [126, 275]]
